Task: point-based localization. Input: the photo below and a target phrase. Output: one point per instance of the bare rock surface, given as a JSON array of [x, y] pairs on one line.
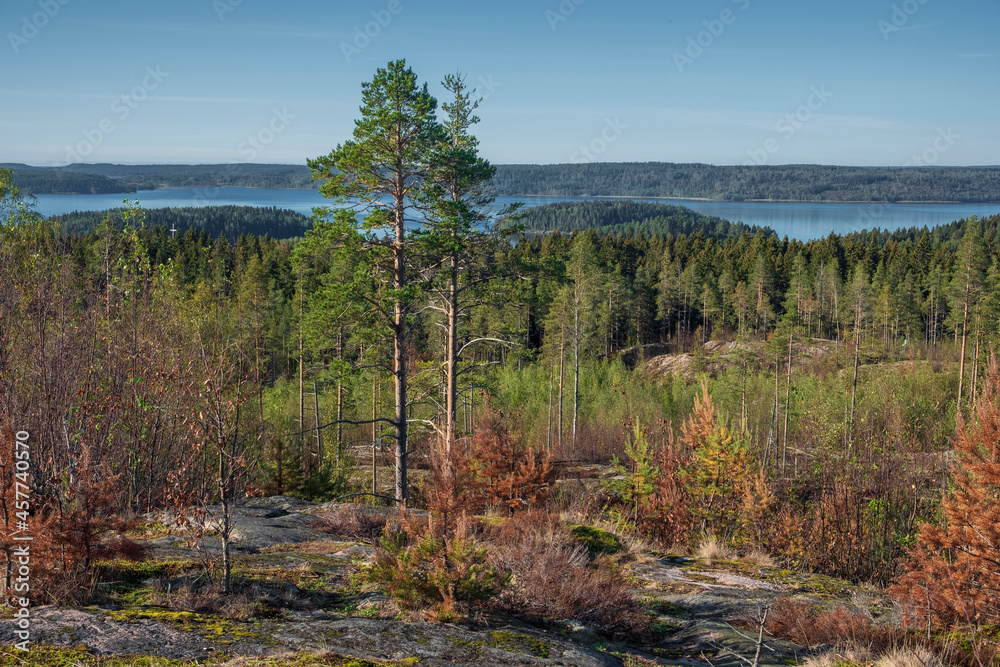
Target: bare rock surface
[[434, 644], [698, 607]]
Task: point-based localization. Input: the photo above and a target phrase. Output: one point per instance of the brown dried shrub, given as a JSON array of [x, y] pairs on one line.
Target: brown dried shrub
[[354, 522], [808, 625], [493, 469], [511, 475], [852, 631], [666, 512], [554, 578]]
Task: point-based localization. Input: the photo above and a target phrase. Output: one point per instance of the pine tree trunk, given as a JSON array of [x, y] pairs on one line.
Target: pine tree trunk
[[576, 373], [302, 396], [788, 398], [451, 365], [548, 432], [854, 385], [226, 529], [340, 397], [399, 349], [319, 432], [562, 356], [975, 365], [961, 361]]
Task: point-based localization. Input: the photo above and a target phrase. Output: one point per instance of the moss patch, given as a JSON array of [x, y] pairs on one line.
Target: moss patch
[[219, 630], [137, 572], [519, 643], [596, 540], [669, 609], [41, 656], [512, 642]]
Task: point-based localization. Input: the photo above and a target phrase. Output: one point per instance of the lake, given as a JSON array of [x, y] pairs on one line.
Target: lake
[[798, 220]]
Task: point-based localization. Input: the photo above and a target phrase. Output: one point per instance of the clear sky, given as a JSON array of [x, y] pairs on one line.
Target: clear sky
[[855, 82]]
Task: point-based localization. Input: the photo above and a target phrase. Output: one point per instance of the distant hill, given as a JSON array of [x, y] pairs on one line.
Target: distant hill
[[153, 176], [817, 183], [748, 183], [231, 221], [46, 181], [111, 178], [630, 217]]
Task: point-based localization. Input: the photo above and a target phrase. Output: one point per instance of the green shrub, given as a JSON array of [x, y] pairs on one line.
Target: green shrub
[[425, 570], [596, 540]]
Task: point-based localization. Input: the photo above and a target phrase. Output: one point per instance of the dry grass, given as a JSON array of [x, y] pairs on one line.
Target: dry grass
[[354, 522], [555, 578], [852, 656], [900, 656], [759, 558], [712, 548], [319, 547], [909, 656]]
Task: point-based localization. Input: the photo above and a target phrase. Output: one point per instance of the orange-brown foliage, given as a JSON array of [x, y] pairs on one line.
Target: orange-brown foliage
[[954, 575], [511, 475], [666, 513], [498, 470], [554, 577], [810, 626]]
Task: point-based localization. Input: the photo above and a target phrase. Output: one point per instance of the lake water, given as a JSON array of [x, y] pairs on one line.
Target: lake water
[[797, 220]]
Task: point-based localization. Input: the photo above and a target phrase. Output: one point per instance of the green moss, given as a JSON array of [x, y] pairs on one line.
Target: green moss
[[219, 630], [512, 642], [664, 628], [596, 540], [668, 609], [817, 585], [137, 572], [45, 656], [519, 643], [150, 530]]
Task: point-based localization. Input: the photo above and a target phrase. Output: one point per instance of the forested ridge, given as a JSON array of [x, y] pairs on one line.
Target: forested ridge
[[629, 217], [816, 183], [830, 404], [110, 178], [231, 221], [45, 181]]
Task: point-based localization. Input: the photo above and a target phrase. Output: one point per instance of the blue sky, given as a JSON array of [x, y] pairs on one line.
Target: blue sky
[[858, 82]]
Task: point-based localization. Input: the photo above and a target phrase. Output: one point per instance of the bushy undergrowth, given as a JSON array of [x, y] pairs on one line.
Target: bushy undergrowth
[[555, 577], [421, 568], [850, 512], [851, 636]]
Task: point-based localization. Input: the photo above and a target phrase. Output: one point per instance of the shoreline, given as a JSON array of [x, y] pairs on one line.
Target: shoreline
[[764, 201], [906, 202]]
